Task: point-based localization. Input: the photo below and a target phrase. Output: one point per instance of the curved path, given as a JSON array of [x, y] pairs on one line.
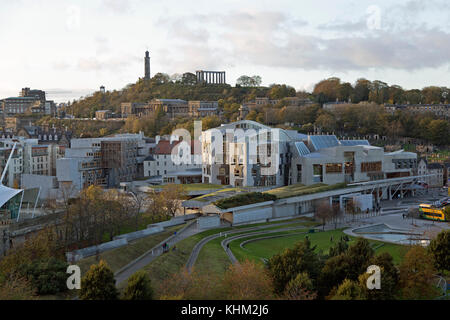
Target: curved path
[[198, 247], [230, 254]]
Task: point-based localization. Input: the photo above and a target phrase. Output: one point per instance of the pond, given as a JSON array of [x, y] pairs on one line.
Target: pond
[[383, 232]]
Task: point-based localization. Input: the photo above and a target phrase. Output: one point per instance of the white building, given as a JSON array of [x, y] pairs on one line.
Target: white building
[[105, 161], [172, 158], [436, 170], [246, 153]]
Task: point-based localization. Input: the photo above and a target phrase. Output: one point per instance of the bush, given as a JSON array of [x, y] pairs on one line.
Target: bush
[[98, 283], [138, 287], [244, 199], [439, 248], [47, 276]]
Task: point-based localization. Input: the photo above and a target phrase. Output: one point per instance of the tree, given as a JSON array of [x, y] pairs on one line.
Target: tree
[[347, 265], [47, 276], [416, 274], [172, 194], [389, 278], [287, 265], [193, 285], [327, 90], [188, 78], [440, 249], [246, 81], [339, 248], [98, 283], [139, 287], [360, 253], [349, 290], [160, 78], [247, 280], [16, 288], [323, 212], [300, 288]]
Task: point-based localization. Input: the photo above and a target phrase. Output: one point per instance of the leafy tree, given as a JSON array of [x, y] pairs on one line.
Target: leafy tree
[[361, 90], [247, 280], [328, 89], [246, 81], [287, 265], [389, 278], [360, 253], [340, 247], [44, 245], [139, 287], [189, 78], [416, 274], [347, 265], [193, 285], [98, 283], [47, 276], [440, 249], [171, 195], [14, 287], [300, 288], [349, 290]]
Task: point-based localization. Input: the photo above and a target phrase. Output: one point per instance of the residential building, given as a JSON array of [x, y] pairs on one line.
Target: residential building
[[105, 161], [431, 168], [174, 158], [103, 114], [203, 108], [441, 110]]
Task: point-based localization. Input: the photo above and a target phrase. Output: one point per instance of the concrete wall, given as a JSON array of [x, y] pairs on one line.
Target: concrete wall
[[90, 251], [44, 182], [208, 222], [140, 234]]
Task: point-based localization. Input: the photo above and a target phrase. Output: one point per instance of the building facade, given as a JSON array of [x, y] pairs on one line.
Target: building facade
[[246, 153]]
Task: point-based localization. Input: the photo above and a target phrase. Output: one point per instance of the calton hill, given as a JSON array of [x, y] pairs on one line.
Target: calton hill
[[361, 111]]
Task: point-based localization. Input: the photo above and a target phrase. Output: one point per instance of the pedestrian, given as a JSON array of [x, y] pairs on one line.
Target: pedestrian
[[228, 246], [331, 239]]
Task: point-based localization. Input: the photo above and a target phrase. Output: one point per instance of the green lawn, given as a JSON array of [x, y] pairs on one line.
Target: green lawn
[[268, 247], [118, 258], [300, 189], [193, 186], [172, 262]]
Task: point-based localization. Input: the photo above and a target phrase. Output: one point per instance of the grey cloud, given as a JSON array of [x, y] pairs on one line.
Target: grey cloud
[[254, 38]]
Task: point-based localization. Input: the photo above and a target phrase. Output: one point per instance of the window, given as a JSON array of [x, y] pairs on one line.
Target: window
[[370, 166], [333, 168]]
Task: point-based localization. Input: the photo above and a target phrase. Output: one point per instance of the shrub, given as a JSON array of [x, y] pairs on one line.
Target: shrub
[[47, 276], [244, 199], [138, 287], [98, 283]]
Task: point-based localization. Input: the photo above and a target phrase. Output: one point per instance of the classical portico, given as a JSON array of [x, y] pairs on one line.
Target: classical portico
[[211, 77]]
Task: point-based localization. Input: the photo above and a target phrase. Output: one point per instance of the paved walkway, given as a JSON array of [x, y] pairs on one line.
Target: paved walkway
[[139, 263]]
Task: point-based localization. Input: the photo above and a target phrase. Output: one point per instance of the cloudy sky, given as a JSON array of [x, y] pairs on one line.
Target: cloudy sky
[[70, 48]]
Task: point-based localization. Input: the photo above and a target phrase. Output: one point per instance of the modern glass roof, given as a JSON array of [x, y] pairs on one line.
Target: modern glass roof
[[354, 142], [321, 142], [302, 148]]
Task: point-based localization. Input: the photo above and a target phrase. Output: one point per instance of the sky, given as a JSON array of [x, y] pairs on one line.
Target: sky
[[69, 48]]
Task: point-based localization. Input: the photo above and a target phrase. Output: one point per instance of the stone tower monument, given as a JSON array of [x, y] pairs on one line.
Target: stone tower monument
[[147, 66]]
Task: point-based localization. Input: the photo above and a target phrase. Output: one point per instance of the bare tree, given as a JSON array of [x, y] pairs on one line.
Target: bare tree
[[336, 213], [324, 211]]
